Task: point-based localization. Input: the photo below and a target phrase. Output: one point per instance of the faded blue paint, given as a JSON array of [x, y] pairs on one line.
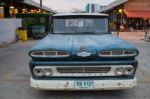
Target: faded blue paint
[[72, 43], [82, 63]]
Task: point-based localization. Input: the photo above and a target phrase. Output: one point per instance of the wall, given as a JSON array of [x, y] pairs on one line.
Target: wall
[[93, 8], [8, 30], [138, 5]]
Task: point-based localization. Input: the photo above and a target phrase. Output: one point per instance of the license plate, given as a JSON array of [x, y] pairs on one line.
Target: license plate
[[84, 84]]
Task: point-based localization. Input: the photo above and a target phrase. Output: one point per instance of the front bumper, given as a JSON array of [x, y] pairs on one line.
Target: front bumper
[[69, 84]]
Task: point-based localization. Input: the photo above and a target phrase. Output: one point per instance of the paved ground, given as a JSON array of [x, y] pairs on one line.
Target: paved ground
[[14, 75]]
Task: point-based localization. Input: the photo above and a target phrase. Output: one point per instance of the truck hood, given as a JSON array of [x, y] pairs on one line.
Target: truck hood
[[73, 43]]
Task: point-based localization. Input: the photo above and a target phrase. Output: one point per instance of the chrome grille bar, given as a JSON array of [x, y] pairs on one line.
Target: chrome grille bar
[[51, 54], [83, 69]]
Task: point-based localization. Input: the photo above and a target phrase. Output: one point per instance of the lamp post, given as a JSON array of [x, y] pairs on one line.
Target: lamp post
[[41, 6], [121, 13], [119, 24]]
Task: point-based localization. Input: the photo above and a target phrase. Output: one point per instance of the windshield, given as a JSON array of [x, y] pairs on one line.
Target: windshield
[[81, 25]]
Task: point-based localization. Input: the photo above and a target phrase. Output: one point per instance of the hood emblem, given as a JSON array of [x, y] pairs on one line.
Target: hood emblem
[[83, 52], [83, 48]]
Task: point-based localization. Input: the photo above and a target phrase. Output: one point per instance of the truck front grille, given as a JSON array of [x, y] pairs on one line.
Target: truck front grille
[[83, 69]]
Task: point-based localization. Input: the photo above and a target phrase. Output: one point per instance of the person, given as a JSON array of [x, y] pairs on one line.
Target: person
[[145, 29], [118, 27], [130, 26], [137, 25]]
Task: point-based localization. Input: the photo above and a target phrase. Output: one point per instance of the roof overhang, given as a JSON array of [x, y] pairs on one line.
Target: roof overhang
[[138, 14], [33, 3], [113, 5], [80, 14]]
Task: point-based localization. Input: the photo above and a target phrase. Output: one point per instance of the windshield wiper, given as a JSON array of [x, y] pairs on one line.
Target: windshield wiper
[[99, 33], [90, 32]]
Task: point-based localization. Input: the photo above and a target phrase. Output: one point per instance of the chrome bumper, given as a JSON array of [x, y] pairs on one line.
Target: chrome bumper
[[69, 84]]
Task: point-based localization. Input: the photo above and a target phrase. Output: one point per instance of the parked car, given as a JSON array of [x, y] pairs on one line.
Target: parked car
[[82, 54]]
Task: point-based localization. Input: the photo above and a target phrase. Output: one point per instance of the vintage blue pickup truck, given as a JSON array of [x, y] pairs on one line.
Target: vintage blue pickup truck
[[81, 54]]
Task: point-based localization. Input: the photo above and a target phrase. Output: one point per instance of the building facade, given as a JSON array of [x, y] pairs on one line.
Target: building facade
[[8, 8], [131, 14], [93, 8]]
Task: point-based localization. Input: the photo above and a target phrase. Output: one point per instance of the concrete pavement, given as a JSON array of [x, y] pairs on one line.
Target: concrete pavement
[[15, 75]]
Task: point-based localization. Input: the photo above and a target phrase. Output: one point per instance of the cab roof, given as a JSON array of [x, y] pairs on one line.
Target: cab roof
[[80, 14]]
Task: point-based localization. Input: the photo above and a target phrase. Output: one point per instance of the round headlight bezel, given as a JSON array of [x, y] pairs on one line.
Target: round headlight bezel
[[38, 72], [129, 71], [42, 71], [47, 72], [124, 71], [119, 71]]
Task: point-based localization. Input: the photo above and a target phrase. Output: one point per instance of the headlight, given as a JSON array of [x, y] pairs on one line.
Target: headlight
[[40, 71], [129, 71], [118, 53], [47, 72], [119, 71], [51, 54]]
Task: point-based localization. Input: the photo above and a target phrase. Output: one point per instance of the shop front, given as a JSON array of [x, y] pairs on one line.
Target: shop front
[[138, 14], [131, 14], [9, 8]]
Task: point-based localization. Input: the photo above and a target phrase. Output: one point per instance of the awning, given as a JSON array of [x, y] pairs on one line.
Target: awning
[[112, 5], [138, 14]]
